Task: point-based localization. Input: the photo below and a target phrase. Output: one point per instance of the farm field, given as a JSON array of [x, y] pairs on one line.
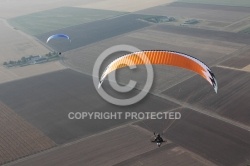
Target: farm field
[[241, 61], [46, 100], [92, 32], [17, 137], [36, 100], [207, 136], [11, 9], [221, 2], [233, 87], [14, 45], [120, 5], [211, 47], [118, 137], [198, 11], [59, 18]]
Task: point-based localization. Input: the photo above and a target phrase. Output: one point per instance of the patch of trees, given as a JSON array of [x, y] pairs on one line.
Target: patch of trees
[[159, 19], [51, 56]]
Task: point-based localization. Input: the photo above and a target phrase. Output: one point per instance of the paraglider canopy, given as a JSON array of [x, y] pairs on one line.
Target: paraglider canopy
[[162, 57], [58, 36]]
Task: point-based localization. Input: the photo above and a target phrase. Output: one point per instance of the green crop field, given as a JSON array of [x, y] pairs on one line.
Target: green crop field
[[50, 20], [244, 3]]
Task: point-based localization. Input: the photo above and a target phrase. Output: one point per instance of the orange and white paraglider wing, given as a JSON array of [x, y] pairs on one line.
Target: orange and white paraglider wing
[[162, 58]]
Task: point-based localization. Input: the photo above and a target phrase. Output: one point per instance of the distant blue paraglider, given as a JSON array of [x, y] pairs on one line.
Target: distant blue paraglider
[[58, 36]]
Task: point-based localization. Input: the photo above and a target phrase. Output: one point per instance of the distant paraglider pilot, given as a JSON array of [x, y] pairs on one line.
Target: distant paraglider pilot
[[158, 139], [56, 36]]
